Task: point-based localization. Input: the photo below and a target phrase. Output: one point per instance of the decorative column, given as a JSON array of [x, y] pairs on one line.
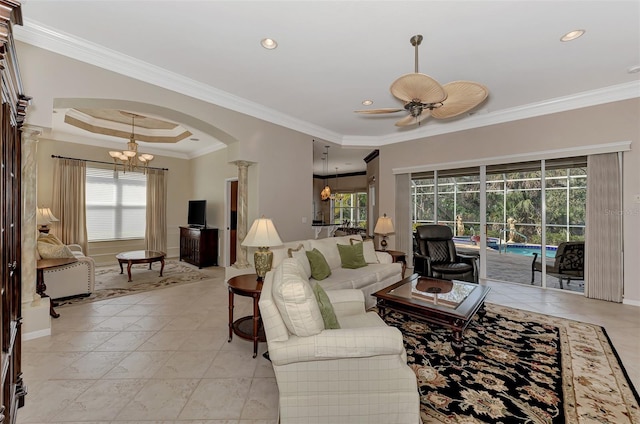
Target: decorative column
[[29, 209], [243, 195]]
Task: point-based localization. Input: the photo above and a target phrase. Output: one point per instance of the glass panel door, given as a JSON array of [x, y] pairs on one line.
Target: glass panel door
[[513, 219], [565, 197]]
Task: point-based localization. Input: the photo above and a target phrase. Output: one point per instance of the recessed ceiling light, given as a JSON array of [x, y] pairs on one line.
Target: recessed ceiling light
[[367, 102], [572, 35], [269, 43]]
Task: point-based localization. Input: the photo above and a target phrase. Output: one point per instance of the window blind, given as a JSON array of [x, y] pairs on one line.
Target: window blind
[[115, 204]]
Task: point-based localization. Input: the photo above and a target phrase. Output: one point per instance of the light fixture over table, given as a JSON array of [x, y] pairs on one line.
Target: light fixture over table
[[325, 194], [129, 158]]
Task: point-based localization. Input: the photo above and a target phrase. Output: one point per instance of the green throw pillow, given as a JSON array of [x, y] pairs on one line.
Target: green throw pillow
[[319, 267], [351, 255], [326, 309]]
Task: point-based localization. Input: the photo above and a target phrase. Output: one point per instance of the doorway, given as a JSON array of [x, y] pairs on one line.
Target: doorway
[[231, 239]]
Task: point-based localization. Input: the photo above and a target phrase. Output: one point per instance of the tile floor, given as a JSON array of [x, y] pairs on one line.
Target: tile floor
[[163, 356]]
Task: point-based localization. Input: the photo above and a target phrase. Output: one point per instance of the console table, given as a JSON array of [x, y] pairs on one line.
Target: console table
[[199, 246]]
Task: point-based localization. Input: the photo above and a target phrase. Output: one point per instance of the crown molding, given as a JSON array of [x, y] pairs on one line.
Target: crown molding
[[41, 36], [609, 94]]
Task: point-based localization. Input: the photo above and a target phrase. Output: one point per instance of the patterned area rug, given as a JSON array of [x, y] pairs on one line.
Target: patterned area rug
[[519, 367], [110, 283]]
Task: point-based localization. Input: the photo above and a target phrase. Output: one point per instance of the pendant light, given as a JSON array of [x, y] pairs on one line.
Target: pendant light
[[325, 194]]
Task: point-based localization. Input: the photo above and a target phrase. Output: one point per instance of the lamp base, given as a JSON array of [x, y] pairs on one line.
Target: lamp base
[[383, 243], [44, 229], [262, 258]]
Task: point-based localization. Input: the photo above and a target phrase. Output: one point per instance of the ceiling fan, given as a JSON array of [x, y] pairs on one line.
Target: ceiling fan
[[424, 96]]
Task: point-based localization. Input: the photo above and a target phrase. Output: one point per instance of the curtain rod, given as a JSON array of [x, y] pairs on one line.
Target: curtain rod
[[103, 162]]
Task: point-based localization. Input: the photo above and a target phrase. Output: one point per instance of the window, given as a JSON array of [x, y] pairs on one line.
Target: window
[[116, 204], [350, 209]]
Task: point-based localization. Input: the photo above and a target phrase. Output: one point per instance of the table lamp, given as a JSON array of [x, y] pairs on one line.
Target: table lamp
[[262, 235], [384, 227], [44, 218]]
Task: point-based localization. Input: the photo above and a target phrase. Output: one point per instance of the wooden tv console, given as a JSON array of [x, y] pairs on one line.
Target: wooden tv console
[[199, 246]]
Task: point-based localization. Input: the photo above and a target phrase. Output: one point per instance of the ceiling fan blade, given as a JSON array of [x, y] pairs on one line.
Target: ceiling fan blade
[[377, 111], [411, 120], [462, 97], [419, 87]]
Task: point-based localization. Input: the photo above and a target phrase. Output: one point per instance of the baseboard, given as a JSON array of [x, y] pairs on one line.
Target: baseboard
[[631, 302], [36, 334]]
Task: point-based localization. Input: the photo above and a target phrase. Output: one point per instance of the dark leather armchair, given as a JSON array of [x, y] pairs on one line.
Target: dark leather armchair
[[567, 265], [435, 255]]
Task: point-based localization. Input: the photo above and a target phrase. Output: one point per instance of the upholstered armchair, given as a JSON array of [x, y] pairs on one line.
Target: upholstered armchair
[[74, 279], [568, 263], [436, 255], [357, 373]]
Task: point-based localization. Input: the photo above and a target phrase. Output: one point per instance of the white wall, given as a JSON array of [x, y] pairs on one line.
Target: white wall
[[612, 122]]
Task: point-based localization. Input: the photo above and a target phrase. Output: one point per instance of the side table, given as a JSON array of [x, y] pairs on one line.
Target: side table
[[398, 256], [249, 327], [41, 287]]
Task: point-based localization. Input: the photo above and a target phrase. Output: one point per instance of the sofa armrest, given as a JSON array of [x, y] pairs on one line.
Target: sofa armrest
[[343, 343], [75, 247], [347, 301], [384, 257]]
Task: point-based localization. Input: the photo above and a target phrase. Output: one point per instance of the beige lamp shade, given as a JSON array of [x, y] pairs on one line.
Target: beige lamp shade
[[45, 216], [262, 235], [384, 225]]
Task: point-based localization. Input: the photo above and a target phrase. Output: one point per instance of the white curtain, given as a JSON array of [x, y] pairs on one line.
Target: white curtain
[[156, 226], [69, 177], [403, 230], [603, 240]]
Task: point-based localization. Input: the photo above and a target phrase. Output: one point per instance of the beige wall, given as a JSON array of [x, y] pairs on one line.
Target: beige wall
[[609, 123], [178, 192], [209, 176]]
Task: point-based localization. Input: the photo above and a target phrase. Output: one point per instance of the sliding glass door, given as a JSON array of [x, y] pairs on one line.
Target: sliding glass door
[[528, 210]]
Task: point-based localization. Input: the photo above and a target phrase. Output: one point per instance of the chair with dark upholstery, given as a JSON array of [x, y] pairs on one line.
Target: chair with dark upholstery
[[436, 255], [567, 265]]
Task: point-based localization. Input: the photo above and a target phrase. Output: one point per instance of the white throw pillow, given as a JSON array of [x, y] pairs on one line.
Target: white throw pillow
[[300, 255], [368, 249], [295, 300]]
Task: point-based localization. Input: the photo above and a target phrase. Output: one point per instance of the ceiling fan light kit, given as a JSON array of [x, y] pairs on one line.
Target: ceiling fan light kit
[[423, 96]]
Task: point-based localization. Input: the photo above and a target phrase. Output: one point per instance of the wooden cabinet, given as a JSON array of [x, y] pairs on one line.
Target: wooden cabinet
[[12, 115], [199, 246]]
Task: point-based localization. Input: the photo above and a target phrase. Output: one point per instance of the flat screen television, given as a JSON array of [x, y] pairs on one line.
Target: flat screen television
[[197, 216]]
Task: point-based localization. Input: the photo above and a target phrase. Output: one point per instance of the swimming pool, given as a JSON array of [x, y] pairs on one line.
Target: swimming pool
[[526, 249], [513, 248]]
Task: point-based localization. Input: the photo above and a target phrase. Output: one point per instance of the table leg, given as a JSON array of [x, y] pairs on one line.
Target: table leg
[[482, 312], [121, 270], [129, 263], [41, 287], [256, 322], [230, 315], [457, 344], [161, 266]]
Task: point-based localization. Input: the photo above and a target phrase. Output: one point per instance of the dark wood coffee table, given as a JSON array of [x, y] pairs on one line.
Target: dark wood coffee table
[[140, 257], [450, 304]]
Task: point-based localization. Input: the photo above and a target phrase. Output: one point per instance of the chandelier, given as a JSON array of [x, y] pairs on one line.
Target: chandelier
[[325, 194], [129, 158]]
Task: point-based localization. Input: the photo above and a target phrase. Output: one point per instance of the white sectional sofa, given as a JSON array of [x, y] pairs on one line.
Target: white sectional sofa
[[354, 374], [379, 273]]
